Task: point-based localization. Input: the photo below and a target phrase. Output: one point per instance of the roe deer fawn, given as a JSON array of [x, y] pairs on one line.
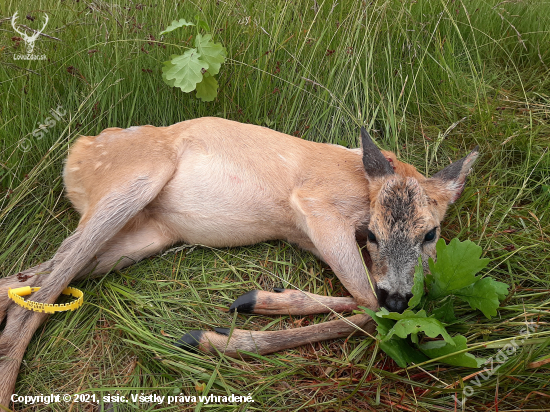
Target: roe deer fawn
[[221, 183]]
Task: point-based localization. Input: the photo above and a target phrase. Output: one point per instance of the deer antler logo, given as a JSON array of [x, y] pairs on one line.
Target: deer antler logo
[[29, 40]]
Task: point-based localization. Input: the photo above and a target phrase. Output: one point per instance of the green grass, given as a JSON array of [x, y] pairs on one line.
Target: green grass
[[408, 70]]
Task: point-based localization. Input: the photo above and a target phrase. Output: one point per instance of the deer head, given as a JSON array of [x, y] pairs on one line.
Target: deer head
[[405, 217]]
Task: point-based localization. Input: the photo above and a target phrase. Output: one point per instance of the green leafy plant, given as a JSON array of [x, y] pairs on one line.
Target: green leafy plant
[[452, 278], [196, 69]]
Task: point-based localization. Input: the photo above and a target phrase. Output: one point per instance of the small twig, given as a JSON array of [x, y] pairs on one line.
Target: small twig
[[538, 364], [311, 81], [179, 249], [521, 41], [36, 31], [17, 67]]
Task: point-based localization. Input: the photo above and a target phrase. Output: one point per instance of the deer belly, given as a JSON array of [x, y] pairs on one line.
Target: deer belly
[[223, 205]]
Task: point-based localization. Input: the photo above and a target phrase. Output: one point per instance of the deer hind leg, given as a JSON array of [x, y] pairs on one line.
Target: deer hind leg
[[290, 302], [29, 277], [140, 238], [32, 276], [108, 216], [233, 343]]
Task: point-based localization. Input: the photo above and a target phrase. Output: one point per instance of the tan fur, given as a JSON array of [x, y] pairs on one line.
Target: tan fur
[[221, 183], [296, 302], [264, 342]]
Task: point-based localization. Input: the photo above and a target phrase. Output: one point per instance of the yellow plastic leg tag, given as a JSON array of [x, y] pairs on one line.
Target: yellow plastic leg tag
[[17, 296]]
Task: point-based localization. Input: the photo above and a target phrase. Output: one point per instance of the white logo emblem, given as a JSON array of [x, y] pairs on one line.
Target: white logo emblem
[[29, 41]]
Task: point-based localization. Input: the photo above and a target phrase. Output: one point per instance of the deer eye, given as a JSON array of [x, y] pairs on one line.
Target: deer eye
[[430, 235], [371, 237]]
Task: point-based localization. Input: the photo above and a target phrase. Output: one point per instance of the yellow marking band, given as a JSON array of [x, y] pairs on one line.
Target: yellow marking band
[[17, 296]]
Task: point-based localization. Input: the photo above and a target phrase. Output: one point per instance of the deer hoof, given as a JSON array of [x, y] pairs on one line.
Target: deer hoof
[[202, 341], [245, 303], [190, 341]]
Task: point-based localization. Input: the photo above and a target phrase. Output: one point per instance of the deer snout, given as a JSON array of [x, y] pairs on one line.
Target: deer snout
[[394, 302]]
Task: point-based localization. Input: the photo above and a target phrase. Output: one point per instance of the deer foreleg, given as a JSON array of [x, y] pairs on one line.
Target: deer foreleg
[[233, 343], [290, 302]]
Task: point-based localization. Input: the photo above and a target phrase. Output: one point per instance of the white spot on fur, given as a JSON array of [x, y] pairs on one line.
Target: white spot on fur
[[97, 165]]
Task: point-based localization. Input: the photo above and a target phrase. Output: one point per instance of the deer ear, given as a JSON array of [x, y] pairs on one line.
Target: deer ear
[[454, 175], [374, 162]]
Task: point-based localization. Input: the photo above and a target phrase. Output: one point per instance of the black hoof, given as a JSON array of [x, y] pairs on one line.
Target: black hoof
[[222, 331], [245, 303], [279, 290], [190, 341]]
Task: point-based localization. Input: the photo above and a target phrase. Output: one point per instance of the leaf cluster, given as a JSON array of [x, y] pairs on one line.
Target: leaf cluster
[[197, 67], [452, 278]]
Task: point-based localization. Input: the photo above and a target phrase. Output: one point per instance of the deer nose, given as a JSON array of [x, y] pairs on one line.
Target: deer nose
[[395, 302]]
